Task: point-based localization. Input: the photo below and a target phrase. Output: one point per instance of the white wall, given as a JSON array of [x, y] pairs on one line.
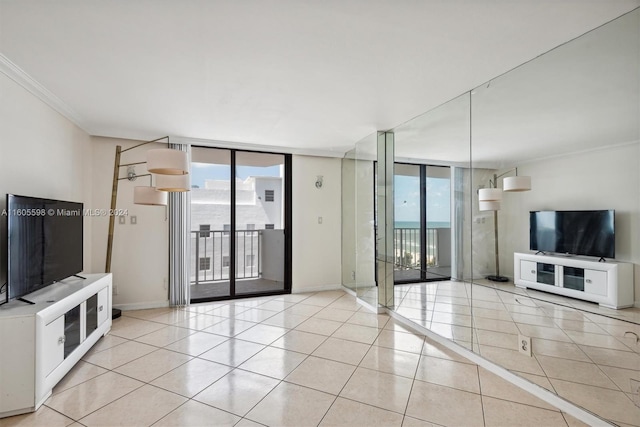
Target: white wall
[[140, 261], [316, 247], [42, 154], [602, 179], [139, 264]]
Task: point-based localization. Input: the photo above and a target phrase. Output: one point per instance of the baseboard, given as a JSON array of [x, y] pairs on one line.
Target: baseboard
[[316, 289], [349, 291], [142, 305]]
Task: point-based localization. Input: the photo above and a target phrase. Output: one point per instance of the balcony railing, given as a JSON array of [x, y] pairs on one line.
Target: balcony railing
[[407, 248], [212, 257]]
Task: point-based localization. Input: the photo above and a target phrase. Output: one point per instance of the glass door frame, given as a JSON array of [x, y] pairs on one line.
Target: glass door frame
[[423, 225], [232, 231]]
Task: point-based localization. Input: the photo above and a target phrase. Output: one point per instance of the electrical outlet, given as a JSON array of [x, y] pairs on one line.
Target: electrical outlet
[[635, 391], [164, 283], [353, 275], [319, 220], [115, 290], [524, 344]]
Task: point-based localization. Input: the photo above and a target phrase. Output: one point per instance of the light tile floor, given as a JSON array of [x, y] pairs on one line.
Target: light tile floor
[[587, 357], [297, 360]]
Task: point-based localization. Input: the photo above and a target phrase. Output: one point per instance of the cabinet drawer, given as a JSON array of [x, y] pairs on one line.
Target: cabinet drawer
[[528, 270], [595, 282], [53, 345]]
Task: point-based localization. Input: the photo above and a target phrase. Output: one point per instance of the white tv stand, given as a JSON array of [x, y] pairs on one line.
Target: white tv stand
[[609, 283], [40, 343]]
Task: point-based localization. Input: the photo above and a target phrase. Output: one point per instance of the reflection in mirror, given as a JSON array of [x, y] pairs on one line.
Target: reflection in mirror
[[432, 236], [569, 119], [358, 227]]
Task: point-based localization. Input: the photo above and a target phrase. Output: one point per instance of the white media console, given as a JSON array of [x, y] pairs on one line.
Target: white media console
[[609, 283], [41, 342]]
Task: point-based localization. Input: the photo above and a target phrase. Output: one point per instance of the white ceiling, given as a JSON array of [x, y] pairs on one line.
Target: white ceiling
[[306, 75]]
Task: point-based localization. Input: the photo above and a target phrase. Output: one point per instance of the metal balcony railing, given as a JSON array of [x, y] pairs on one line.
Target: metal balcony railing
[[407, 248], [212, 257]]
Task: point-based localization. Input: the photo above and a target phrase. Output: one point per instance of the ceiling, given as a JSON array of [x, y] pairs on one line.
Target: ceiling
[[309, 76], [583, 95]]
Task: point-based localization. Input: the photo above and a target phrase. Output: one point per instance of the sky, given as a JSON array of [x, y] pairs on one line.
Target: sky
[[406, 193], [406, 190], [202, 171]]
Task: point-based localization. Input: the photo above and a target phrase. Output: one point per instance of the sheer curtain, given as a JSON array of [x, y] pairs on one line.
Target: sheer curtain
[[179, 238]]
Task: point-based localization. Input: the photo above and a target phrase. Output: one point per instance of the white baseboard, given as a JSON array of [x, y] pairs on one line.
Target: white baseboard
[[142, 305], [320, 288], [349, 291]]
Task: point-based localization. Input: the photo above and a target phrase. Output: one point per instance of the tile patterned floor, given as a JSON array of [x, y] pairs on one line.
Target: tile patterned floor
[[587, 357], [292, 360]]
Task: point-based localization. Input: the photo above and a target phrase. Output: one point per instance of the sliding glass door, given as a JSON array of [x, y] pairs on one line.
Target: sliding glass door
[[260, 222], [422, 231], [408, 227], [240, 245]]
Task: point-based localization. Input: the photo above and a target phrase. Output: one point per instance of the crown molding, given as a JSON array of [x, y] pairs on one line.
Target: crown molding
[[18, 75], [256, 147]]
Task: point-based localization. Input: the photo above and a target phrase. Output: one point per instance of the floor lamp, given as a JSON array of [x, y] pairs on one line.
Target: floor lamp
[[170, 168], [489, 200]]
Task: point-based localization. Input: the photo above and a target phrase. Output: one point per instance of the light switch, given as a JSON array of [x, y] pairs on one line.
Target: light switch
[[319, 220], [134, 220], [122, 220]]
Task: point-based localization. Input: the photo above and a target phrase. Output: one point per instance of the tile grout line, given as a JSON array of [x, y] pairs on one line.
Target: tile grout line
[[280, 380], [540, 392]]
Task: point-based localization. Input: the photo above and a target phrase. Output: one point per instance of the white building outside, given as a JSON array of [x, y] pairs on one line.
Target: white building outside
[[259, 224]]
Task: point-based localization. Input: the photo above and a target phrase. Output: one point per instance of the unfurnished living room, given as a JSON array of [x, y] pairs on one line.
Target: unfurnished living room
[[320, 213]]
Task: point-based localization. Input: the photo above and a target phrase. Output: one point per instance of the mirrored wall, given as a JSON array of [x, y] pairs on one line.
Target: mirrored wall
[[570, 121], [359, 219]]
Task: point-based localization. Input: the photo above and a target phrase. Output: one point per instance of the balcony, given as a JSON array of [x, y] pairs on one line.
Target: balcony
[[211, 262], [407, 250]]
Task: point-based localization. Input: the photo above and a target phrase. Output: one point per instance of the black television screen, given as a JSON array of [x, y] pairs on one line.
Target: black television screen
[[44, 242], [590, 233]]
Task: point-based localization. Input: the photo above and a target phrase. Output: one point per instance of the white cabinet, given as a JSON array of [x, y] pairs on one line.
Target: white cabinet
[[104, 310], [595, 282], [528, 270], [40, 343], [610, 284], [53, 345]]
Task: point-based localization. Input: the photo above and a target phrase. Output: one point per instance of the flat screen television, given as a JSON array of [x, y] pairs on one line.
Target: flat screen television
[[44, 243], [590, 233]]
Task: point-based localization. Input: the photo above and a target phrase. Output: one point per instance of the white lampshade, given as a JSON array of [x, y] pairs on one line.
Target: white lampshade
[[167, 161], [173, 183], [149, 196], [490, 205], [490, 194], [517, 183]]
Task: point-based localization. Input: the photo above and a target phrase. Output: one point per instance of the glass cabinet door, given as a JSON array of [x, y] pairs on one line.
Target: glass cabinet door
[[546, 273], [92, 314], [72, 336], [573, 278]]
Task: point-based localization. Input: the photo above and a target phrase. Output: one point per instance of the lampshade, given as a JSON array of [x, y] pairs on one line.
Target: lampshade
[[490, 205], [166, 161], [173, 183], [517, 183], [149, 196], [490, 194]]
